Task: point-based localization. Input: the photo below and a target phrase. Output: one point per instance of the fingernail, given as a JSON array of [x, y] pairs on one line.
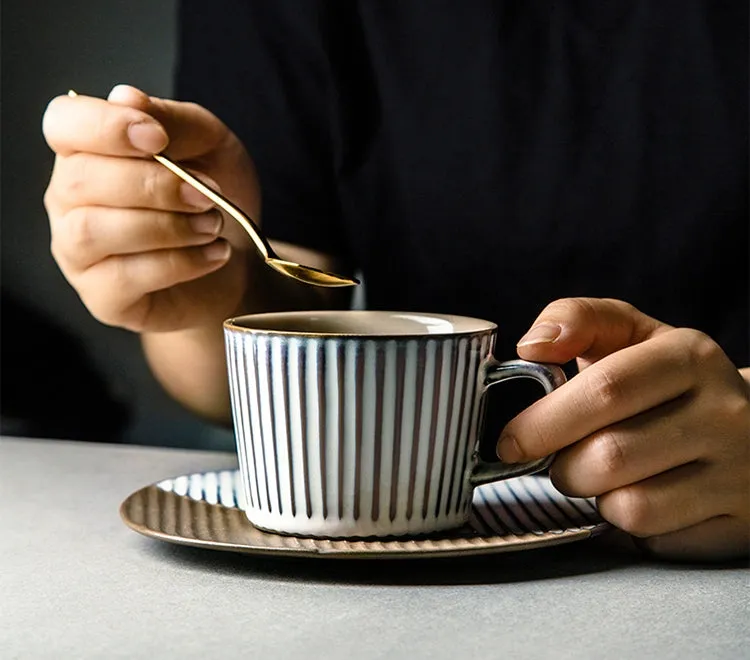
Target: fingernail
[[217, 251], [194, 197], [508, 449], [205, 223], [147, 136], [544, 333]]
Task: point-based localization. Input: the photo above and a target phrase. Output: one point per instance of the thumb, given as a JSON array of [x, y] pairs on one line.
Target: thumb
[[193, 131], [586, 328]]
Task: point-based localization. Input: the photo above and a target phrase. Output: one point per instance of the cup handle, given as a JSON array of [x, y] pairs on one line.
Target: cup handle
[[551, 377]]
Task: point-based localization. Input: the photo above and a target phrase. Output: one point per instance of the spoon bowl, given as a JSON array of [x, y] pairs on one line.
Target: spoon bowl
[[309, 274]]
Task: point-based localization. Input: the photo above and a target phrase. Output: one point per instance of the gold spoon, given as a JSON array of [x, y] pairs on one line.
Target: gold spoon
[[306, 274]]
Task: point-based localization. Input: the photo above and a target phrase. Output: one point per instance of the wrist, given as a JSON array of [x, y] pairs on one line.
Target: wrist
[[190, 366]]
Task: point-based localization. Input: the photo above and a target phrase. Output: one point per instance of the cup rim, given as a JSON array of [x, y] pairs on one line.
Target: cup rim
[[477, 325]]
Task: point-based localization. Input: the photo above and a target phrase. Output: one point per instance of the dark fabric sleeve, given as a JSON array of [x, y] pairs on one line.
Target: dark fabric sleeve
[[260, 66]]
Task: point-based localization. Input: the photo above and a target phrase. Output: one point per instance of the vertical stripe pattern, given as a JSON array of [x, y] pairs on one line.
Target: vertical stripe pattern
[[522, 506], [350, 436]]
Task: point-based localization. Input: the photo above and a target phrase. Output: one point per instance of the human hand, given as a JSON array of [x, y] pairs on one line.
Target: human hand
[[656, 426], [144, 250]]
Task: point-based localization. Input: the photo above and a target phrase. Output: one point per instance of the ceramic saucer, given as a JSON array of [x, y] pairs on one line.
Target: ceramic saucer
[[206, 510]]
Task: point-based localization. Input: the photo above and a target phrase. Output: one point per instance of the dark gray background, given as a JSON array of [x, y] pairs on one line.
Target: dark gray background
[[47, 48]]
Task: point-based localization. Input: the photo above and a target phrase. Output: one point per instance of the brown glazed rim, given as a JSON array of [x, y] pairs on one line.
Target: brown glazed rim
[[234, 325]]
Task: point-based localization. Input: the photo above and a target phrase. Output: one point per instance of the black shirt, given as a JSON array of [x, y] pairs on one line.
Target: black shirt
[[486, 157]]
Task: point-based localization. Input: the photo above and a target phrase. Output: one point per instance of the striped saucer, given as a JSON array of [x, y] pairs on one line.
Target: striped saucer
[[206, 510]]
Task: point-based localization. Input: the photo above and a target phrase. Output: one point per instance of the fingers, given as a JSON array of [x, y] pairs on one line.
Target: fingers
[[668, 502], [192, 129], [587, 328], [88, 234], [717, 539], [91, 125], [630, 451], [94, 180], [617, 387], [129, 96], [130, 123], [113, 286], [654, 426], [138, 244]]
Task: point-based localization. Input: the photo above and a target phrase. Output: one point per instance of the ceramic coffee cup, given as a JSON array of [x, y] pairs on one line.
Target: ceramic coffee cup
[[358, 423]]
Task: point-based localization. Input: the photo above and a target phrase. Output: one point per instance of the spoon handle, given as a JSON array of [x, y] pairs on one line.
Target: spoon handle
[[247, 224]]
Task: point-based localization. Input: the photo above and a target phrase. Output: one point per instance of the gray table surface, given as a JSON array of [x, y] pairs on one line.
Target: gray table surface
[[76, 583]]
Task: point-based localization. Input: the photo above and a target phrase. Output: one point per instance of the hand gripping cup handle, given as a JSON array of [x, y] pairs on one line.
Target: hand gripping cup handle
[[550, 377]]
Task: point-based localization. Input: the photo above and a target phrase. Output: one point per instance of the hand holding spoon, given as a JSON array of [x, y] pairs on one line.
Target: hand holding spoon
[[306, 274]]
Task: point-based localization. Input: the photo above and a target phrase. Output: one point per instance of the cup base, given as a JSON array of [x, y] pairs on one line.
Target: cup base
[[335, 528]]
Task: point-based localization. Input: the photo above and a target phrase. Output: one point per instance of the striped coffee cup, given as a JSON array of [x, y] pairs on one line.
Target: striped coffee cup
[[358, 423]]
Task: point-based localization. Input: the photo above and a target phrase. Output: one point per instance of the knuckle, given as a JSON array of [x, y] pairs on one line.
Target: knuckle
[[105, 124], [630, 509], [193, 107], [737, 411], [106, 314], [172, 229], [581, 306], [566, 307], [604, 388], [52, 191], [534, 436], [176, 264], [699, 346], [119, 274], [102, 288], [98, 295], [78, 234], [608, 453], [587, 310], [732, 444], [55, 251], [163, 228], [49, 199], [107, 292], [62, 260], [75, 175], [621, 306], [156, 187]]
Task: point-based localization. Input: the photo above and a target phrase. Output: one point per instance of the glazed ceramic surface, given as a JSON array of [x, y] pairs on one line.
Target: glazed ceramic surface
[[358, 424], [206, 510]]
